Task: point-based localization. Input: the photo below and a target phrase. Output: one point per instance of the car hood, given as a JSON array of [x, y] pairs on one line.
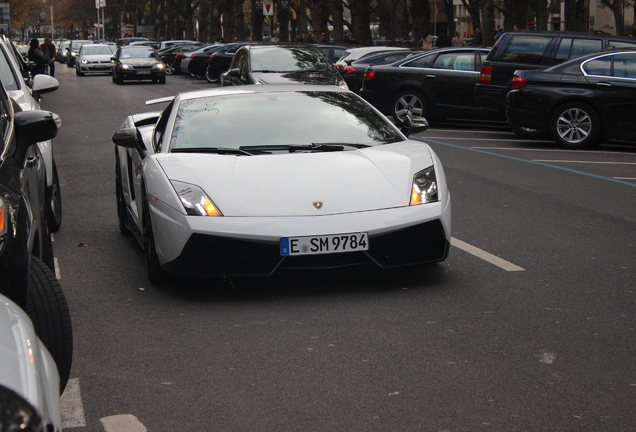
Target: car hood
[[302, 77], [97, 57], [288, 184]]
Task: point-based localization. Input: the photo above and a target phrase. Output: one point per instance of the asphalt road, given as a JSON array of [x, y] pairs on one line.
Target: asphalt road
[[529, 325]]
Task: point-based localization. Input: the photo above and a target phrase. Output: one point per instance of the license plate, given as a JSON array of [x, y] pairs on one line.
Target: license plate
[[312, 245], [143, 72]]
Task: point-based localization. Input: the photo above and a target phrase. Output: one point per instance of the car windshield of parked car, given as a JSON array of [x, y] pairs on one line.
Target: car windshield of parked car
[[7, 75], [285, 118], [276, 59], [137, 53], [96, 49]]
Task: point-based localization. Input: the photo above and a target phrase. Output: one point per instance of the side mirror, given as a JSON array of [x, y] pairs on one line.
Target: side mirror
[[413, 124], [32, 127], [130, 138], [45, 84], [234, 72]]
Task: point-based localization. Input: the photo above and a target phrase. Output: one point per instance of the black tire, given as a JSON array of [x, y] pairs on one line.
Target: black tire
[[47, 308], [575, 125], [526, 133], [121, 205], [162, 79], [54, 201], [210, 77], [412, 101], [169, 70], [113, 77], [78, 73], [156, 274]]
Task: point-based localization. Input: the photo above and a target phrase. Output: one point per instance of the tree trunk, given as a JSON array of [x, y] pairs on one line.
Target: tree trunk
[[256, 30], [361, 17], [282, 16], [319, 16], [449, 10], [239, 20], [337, 10], [421, 13], [488, 23], [473, 7]]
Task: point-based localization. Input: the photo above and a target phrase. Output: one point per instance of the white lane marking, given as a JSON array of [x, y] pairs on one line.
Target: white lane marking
[[58, 275], [71, 405], [584, 162], [488, 257], [542, 150], [625, 178], [122, 423]]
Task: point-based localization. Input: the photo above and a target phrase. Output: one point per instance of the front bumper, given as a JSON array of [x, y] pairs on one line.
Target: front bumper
[[235, 246], [95, 67], [140, 74]]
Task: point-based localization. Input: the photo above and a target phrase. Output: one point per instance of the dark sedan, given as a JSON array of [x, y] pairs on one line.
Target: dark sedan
[[220, 60], [354, 72], [281, 64], [138, 63], [581, 102], [437, 84]]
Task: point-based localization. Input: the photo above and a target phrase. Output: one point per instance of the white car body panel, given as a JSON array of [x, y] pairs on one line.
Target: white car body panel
[[27, 366]]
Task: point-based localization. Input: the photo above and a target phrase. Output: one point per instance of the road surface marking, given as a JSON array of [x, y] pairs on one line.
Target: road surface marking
[[58, 275], [71, 405], [584, 162], [122, 423], [488, 257]]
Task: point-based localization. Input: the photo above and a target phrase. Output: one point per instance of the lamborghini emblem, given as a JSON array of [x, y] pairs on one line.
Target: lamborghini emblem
[[317, 205]]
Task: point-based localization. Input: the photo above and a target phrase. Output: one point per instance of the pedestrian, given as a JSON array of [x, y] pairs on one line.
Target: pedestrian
[[477, 38], [310, 38], [457, 41], [426, 42], [324, 38], [35, 55], [443, 41], [49, 53], [500, 31]]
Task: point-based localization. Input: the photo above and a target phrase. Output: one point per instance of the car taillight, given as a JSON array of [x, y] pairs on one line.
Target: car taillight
[[368, 75], [485, 75], [179, 56], [349, 69], [518, 82], [211, 57]]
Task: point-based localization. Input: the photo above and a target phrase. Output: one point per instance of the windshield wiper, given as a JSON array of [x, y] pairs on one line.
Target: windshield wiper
[[217, 150], [304, 147]]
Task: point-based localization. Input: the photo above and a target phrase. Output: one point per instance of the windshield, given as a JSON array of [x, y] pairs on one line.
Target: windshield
[[138, 53], [286, 118], [7, 75], [96, 49], [276, 59]]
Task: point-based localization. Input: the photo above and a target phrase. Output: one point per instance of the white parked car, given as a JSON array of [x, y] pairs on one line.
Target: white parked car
[[243, 182], [95, 58], [29, 381], [11, 76]]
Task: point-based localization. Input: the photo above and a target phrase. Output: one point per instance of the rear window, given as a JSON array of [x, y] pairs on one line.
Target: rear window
[[526, 49], [570, 48], [625, 65], [601, 66]]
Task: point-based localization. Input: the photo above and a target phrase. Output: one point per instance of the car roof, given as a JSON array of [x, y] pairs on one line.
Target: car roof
[[572, 34], [283, 88]]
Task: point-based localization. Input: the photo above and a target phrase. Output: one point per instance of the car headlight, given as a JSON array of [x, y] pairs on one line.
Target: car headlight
[[125, 66], [343, 85], [160, 66], [73, 54], [424, 188], [83, 61], [194, 200]]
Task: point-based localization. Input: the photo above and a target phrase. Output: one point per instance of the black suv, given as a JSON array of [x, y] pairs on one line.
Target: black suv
[[522, 50], [26, 252]]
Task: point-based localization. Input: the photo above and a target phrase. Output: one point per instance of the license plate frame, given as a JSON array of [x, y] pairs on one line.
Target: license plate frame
[[142, 72], [324, 244]]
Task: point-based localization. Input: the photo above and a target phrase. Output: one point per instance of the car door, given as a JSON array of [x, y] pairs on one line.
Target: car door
[[614, 78], [453, 76]]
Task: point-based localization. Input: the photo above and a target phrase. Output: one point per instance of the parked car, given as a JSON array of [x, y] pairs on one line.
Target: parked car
[[435, 84], [281, 64], [200, 57], [185, 181], [12, 76], [153, 44], [138, 63], [26, 249], [580, 102], [163, 45], [128, 40], [218, 62], [169, 56], [29, 381], [353, 54], [354, 72], [62, 51], [531, 50], [95, 58], [333, 52], [73, 51]]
